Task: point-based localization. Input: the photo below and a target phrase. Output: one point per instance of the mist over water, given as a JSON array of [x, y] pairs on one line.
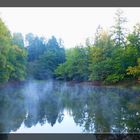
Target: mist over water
[[59, 107]]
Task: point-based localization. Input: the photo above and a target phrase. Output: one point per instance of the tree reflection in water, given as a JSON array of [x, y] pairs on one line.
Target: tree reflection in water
[[94, 109]]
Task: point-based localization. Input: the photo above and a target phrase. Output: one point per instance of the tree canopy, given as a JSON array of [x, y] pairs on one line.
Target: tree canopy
[[113, 57]]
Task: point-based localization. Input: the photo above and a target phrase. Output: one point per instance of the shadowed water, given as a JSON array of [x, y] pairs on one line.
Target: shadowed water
[[58, 107]]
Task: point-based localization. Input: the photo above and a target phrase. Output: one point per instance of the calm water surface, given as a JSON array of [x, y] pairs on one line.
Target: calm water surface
[[58, 107]]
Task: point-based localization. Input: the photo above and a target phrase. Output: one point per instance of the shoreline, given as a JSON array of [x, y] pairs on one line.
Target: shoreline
[[11, 83], [125, 83]]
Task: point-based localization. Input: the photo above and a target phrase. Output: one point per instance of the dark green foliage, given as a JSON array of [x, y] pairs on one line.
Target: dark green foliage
[[76, 66], [111, 58], [5, 40], [36, 46], [46, 64], [12, 56], [17, 59], [18, 40], [44, 57], [134, 37], [103, 61]]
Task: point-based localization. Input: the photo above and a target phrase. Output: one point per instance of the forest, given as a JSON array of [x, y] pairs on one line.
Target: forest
[[113, 56]]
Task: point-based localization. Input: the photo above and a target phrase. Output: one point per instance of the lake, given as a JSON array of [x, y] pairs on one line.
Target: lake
[[62, 107]]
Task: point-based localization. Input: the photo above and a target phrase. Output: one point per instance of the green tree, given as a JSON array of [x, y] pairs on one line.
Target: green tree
[[12, 57], [76, 65], [5, 42], [101, 63], [134, 37], [17, 59], [135, 71], [36, 46], [44, 57], [18, 40], [119, 31]]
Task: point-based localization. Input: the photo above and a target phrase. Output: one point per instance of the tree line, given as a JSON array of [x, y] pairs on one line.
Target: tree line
[[114, 56], [37, 59]]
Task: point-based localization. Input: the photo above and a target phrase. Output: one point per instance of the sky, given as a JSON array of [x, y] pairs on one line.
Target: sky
[[72, 25]]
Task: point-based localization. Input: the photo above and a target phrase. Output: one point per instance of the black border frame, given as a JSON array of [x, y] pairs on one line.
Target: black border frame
[[69, 3]]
